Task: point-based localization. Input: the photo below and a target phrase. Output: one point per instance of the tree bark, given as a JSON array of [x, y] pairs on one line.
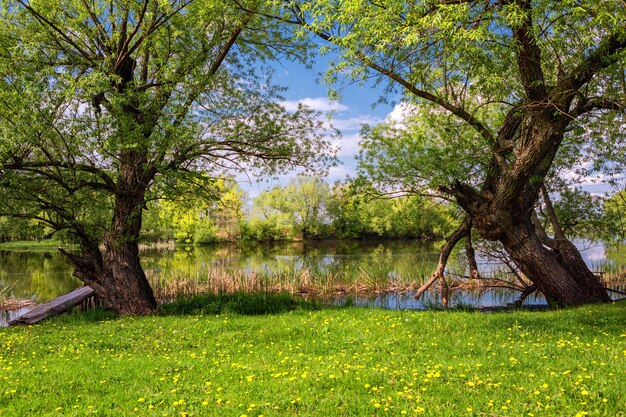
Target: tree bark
[[114, 272], [118, 279], [559, 273]]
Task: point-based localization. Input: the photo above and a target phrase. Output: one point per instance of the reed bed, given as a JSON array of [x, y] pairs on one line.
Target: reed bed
[[11, 304], [328, 287], [297, 282]]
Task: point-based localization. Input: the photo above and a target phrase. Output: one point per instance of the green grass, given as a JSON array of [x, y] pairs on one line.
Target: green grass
[[237, 303], [328, 362]]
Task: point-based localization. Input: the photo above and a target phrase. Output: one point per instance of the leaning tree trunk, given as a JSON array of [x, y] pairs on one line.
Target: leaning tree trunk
[[126, 289], [503, 211], [114, 271], [559, 272]]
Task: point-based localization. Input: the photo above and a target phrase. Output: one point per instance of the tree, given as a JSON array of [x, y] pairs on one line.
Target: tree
[[359, 211], [614, 217], [301, 205], [190, 218], [104, 105], [499, 88]]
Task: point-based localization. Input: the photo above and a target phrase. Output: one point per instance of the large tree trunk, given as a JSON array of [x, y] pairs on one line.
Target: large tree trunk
[[117, 277], [127, 290], [559, 272], [502, 211], [114, 271]]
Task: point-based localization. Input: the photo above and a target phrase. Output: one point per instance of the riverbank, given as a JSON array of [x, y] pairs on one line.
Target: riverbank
[[326, 362], [36, 245]]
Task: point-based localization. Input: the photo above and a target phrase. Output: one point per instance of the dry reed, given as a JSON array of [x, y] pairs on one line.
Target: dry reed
[[10, 304], [222, 280]]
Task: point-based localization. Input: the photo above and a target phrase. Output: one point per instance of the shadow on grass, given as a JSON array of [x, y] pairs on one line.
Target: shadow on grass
[[80, 316], [591, 320], [251, 304]]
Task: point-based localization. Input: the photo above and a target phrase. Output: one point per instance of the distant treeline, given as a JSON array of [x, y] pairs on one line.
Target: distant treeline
[[309, 208], [306, 208]]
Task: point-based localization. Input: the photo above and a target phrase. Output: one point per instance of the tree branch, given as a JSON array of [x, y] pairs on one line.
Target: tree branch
[[470, 253], [109, 184], [603, 56], [451, 242], [460, 112], [529, 56], [556, 226], [48, 23], [587, 105]]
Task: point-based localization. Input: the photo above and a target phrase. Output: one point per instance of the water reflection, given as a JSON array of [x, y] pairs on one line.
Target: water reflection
[[7, 316], [405, 261], [42, 276], [405, 301]]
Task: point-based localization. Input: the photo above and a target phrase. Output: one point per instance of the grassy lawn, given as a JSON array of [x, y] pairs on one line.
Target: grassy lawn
[[328, 362]]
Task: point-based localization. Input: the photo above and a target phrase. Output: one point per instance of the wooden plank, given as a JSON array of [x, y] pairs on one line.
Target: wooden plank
[[55, 307]]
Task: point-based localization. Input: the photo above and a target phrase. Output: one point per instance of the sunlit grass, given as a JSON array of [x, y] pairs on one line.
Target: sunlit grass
[[329, 362]]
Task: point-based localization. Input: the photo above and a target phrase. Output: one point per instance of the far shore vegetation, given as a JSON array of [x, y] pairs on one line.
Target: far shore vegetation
[[307, 208]]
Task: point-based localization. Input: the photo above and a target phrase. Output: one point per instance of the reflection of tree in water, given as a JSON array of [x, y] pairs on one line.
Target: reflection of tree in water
[[373, 264], [345, 261], [42, 276]]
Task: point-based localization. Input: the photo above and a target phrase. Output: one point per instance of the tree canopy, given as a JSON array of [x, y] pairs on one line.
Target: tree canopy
[[105, 105], [497, 91]]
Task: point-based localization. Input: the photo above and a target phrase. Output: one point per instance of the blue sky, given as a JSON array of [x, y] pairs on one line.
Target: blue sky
[[358, 105], [354, 109]]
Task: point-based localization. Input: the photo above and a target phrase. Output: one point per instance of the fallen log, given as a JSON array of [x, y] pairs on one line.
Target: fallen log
[[55, 307]]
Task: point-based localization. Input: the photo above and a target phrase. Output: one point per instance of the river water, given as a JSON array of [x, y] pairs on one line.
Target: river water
[[42, 275]]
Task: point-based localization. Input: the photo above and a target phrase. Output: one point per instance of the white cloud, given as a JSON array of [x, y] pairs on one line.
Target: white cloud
[[339, 172], [354, 123], [347, 145], [315, 103], [401, 111]]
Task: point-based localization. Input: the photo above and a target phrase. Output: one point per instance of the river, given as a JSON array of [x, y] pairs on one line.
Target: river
[[338, 268]]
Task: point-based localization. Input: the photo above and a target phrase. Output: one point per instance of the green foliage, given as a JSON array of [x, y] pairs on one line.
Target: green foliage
[[301, 206], [358, 213], [580, 213], [416, 153], [12, 229], [214, 215], [309, 208], [614, 217], [272, 229], [106, 101], [319, 363]]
